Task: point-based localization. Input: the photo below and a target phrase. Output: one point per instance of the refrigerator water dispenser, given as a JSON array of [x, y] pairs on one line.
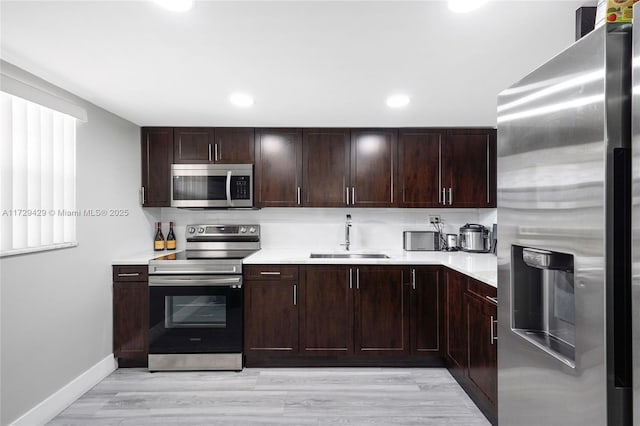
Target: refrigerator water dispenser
[[543, 308]]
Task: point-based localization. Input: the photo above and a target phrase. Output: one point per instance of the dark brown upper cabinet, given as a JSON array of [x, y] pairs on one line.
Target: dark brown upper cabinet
[[233, 145], [157, 156], [373, 167], [447, 168], [325, 164], [419, 163], [343, 167], [278, 168], [207, 145], [469, 168]]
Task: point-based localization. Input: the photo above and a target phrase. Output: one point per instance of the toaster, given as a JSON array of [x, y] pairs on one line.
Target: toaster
[[421, 240]]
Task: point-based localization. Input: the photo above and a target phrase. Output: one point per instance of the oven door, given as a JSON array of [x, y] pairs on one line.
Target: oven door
[[195, 314], [211, 185]]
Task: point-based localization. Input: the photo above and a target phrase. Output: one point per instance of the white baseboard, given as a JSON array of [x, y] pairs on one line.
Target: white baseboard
[[56, 403]]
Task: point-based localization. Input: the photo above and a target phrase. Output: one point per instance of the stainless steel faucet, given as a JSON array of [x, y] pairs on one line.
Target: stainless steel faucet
[[347, 239]]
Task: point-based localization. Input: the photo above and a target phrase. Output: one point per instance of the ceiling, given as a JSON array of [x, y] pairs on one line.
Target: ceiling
[[307, 63]]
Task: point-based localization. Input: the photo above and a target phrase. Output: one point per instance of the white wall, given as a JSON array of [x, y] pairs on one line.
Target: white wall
[[55, 307], [323, 228]]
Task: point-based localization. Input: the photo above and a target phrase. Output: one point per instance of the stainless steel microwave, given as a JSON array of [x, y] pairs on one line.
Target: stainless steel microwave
[[212, 185]]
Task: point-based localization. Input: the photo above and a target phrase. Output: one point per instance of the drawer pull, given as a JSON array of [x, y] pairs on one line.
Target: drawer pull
[[129, 274], [493, 299], [269, 273]]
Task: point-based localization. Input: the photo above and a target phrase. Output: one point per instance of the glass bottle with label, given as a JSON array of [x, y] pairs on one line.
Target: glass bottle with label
[[158, 241], [171, 238]]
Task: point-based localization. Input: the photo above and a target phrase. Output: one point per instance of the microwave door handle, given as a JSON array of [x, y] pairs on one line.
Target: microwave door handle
[[229, 202]]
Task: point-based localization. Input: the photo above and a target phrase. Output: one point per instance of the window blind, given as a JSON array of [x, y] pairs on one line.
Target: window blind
[[38, 177]]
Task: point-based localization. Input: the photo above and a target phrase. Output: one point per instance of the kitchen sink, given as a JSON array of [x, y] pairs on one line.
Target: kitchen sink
[[348, 256]]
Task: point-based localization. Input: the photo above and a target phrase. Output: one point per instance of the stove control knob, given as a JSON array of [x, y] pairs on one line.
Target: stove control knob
[[192, 230], [252, 230], [200, 230], [243, 229]]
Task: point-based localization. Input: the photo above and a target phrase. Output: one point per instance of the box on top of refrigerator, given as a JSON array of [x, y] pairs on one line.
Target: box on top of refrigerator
[[614, 11]]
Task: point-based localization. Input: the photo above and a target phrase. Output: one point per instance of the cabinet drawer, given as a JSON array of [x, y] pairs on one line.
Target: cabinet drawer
[[481, 289], [271, 272], [130, 273]]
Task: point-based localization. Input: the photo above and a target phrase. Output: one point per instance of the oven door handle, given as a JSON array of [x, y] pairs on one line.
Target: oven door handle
[[229, 202], [235, 282]]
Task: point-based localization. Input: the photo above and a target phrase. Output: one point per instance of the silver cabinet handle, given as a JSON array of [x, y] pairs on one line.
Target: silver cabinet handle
[[215, 147], [353, 195], [493, 299], [346, 189], [219, 152], [444, 196], [129, 274], [494, 338], [269, 273], [209, 152], [413, 278], [350, 278], [295, 294], [488, 173], [358, 278], [299, 198], [142, 194], [450, 195]]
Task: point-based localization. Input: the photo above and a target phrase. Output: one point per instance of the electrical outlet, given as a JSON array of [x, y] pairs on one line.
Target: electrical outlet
[[434, 218]]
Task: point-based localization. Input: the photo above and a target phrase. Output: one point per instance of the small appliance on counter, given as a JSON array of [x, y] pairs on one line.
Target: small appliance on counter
[[452, 242], [474, 238], [421, 240]]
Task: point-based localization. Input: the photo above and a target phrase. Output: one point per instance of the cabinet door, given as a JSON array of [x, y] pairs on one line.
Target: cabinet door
[[381, 310], [278, 180], [482, 354], [271, 316], [373, 168], [234, 145], [130, 319], [157, 157], [426, 304], [469, 168], [193, 145], [326, 311], [419, 166], [325, 165], [456, 347]]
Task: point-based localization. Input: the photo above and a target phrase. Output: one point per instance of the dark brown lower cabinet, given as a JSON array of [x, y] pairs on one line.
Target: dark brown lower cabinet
[[471, 349], [456, 343], [326, 311], [426, 310], [482, 349], [382, 311], [271, 310], [130, 315]]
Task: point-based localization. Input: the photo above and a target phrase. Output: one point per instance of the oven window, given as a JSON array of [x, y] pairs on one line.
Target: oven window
[[196, 311]]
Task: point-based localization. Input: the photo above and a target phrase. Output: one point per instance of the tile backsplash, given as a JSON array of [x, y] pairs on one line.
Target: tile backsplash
[[323, 228]]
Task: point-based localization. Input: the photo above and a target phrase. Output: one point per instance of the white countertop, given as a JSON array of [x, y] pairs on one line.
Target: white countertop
[[481, 266], [140, 258]]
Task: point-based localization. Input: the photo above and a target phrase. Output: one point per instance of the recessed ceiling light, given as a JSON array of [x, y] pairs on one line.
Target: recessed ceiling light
[[464, 6], [175, 5], [241, 100], [398, 101]]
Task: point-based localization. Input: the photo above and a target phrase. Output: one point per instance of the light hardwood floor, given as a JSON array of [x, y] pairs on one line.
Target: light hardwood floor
[[278, 396]]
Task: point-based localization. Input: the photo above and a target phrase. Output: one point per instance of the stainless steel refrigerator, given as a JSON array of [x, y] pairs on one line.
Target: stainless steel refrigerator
[[565, 309]]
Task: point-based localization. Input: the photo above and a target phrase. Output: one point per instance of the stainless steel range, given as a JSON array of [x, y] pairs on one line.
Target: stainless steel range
[[195, 309]]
